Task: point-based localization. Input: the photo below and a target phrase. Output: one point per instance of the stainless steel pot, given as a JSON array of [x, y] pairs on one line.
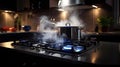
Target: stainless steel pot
[[70, 31]]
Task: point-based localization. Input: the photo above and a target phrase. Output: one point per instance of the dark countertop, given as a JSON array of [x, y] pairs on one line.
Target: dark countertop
[[105, 53]]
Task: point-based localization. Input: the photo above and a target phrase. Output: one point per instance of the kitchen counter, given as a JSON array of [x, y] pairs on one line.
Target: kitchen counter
[[104, 53], [107, 53]]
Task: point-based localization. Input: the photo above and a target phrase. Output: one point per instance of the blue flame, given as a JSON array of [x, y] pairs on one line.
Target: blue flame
[[67, 47], [78, 48]]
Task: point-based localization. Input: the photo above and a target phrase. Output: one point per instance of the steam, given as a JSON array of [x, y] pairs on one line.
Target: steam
[[45, 24], [49, 28], [73, 20]]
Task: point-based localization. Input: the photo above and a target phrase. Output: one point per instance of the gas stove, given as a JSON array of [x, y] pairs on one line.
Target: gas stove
[[68, 46]]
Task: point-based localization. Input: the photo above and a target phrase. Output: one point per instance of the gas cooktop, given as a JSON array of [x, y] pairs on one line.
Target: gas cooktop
[[68, 46]]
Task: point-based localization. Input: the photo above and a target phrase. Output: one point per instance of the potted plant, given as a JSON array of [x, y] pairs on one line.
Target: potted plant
[[105, 22]]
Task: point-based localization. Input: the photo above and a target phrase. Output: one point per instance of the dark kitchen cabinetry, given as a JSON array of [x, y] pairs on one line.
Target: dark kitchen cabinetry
[[32, 4], [39, 4], [8, 5], [19, 5], [91, 2]]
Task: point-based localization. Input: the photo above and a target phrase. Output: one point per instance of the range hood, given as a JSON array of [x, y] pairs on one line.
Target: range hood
[[65, 3], [72, 5]]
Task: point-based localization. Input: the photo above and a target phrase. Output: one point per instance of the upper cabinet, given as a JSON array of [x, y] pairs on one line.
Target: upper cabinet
[[91, 2], [8, 5], [39, 4], [32, 4], [20, 5]]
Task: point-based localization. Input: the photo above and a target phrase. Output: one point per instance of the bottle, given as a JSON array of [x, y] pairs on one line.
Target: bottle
[[96, 28]]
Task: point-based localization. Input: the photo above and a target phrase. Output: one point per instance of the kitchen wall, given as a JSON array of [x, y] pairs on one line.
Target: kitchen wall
[[6, 19], [88, 16]]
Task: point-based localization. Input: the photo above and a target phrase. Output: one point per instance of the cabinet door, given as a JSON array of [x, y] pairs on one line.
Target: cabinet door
[[8, 4], [39, 4]]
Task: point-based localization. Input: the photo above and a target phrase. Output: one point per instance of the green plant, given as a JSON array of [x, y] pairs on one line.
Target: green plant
[[105, 21]]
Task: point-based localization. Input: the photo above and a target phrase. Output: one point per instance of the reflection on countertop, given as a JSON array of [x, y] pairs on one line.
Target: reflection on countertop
[[107, 53], [7, 45]]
